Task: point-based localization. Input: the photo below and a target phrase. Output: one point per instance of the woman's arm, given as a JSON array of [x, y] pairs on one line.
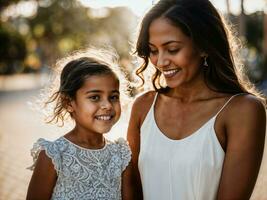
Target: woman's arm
[[133, 137], [245, 133], [139, 110], [43, 179]]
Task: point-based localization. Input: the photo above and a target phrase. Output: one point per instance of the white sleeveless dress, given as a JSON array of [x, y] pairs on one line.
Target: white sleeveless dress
[[185, 169]]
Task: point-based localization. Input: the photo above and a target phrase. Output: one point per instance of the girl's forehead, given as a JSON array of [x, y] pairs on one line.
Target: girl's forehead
[[101, 82]]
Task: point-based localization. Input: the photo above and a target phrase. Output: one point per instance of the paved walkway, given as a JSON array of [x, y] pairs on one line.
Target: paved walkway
[[20, 127]]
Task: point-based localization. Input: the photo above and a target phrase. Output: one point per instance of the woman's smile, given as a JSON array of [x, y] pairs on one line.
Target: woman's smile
[[170, 72]]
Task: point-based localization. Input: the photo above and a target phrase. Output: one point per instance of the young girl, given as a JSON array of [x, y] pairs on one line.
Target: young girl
[[82, 164]]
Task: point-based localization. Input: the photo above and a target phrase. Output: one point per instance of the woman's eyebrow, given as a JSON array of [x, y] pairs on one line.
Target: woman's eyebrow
[[166, 43]]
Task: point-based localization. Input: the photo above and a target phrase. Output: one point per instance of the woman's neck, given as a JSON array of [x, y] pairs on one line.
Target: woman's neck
[[191, 93]]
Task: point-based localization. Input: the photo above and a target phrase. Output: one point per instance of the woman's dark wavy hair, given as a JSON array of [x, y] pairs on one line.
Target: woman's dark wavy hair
[[199, 20]]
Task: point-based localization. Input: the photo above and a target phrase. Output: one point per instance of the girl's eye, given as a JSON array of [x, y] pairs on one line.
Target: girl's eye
[[115, 98], [94, 98]]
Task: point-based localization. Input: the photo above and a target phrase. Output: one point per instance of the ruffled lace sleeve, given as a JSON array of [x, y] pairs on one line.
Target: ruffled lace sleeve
[[124, 151], [51, 151]]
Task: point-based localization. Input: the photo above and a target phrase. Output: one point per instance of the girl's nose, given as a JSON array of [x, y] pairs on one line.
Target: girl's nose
[[106, 105]]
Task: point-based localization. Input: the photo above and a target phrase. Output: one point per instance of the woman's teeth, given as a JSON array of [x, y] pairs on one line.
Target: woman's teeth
[[170, 73]]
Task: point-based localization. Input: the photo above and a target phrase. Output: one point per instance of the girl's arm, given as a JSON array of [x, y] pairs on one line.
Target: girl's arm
[[245, 133], [127, 184], [43, 179]]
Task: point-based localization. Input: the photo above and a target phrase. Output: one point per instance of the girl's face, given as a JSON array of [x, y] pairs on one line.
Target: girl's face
[[173, 53], [96, 107]]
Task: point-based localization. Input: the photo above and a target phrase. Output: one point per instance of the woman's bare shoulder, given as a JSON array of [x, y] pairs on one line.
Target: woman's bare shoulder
[[145, 99], [247, 111], [246, 103], [142, 104]]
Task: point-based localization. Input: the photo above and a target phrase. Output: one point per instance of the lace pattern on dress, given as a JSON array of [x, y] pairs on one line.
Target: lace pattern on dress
[[85, 173], [51, 151]]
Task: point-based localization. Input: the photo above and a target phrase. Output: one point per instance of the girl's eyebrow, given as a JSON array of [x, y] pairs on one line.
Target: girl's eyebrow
[[100, 91], [166, 43]]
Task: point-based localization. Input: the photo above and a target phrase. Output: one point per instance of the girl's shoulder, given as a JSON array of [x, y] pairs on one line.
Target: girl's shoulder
[[121, 149], [120, 145], [58, 144], [52, 150]]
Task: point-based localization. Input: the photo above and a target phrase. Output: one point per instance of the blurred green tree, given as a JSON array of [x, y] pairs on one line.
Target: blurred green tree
[[12, 51], [61, 26], [5, 3]]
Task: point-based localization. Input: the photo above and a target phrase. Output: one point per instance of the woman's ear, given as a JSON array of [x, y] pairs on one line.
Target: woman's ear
[[69, 108], [203, 54]]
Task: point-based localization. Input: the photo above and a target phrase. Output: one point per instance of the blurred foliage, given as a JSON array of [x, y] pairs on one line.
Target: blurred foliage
[[61, 26], [5, 3], [12, 51], [254, 25], [255, 57], [252, 51]]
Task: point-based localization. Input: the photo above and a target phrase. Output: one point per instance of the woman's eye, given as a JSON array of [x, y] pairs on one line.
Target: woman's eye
[[153, 52], [94, 98], [173, 51]]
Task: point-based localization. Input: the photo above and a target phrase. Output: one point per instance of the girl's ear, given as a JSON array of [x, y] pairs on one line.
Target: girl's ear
[[67, 103]]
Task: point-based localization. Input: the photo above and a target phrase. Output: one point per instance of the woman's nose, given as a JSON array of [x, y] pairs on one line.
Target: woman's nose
[[162, 60]]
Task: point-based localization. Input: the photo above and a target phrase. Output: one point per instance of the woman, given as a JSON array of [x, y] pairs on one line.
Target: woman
[[201, 135]]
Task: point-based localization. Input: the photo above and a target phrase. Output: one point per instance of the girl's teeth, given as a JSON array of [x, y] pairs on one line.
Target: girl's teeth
[[105, 118]]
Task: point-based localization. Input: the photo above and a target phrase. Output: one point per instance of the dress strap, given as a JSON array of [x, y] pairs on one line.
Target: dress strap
[[228, 102], [154, 101]]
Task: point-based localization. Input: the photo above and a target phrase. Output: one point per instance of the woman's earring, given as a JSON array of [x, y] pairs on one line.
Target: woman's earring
[[70, 109], [205, 61]]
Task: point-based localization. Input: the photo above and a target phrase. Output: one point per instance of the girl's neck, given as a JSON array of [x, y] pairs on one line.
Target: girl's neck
[[85, 139]]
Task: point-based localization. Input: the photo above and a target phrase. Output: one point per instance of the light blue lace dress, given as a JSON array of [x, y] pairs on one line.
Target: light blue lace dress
[[85, 174]]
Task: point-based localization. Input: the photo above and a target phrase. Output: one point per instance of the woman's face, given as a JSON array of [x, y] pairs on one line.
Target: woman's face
[[173, 53]]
